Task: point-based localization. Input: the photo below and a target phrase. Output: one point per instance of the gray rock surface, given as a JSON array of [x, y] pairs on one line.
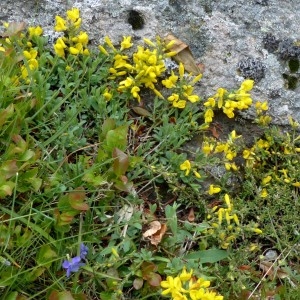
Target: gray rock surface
[[220, 34]]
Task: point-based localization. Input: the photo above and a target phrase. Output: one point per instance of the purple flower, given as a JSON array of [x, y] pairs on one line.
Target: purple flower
[[72, 265], [83, 251]]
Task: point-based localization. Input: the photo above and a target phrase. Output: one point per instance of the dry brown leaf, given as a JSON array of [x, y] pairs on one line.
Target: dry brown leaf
[[156, 237], [191, 215], [154, 227], [183, 54], [271, 270]]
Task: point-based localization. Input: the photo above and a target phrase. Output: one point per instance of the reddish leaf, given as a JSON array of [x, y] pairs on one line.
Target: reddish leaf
[[65, 295], [121, 162], [76, 198], [153, 279]]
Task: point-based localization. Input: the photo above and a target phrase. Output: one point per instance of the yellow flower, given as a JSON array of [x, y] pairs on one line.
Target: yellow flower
[[60, 24], [172, 285], [197, 174], [266, 180], [73, 14], [264, 193], [83, 38], [126, 43], [210, 102], [59, 47], [170, 82], [127, 82], [193, 98], [186, 166], [102, 49], [214, 189], [107, 95], [73, 50], [257, 230], [207, 148], [200, 283], [181, 70], [108, 42], [247, 85], [35, 31], [134, 91], [148, 42], [185, 276], [208, 115], [179, 103]]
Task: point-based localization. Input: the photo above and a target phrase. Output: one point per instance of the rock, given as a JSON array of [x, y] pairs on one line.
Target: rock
[[220, 34]]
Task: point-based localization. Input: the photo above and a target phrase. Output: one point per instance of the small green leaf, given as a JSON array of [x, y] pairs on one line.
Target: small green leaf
[[207, 256], [45, 256], [116, 138]]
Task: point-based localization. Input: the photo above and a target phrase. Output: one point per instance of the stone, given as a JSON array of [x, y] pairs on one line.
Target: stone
[[219, 33]]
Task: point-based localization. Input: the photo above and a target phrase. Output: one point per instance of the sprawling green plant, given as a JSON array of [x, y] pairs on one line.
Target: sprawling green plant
[[102, 196]]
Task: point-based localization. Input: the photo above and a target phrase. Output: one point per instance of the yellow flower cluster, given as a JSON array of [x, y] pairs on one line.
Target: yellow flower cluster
[[228, 148], [74, 41], [225, 224], [146, 68], [229, 101], [31, 53], [182, 86], [186, 287], [220, 215], [187, 167], [261, 108]]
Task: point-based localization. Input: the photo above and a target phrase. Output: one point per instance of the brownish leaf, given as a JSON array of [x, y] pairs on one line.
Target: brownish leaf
[[272, 270], [191, 215], [141, 111], [184, 54], [156, 237], [155, 226]]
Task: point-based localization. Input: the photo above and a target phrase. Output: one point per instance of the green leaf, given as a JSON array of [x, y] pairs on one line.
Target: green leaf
[[12, 296], [207, 256], [172, 217], [108, 124], [116, 138], [45, 256]]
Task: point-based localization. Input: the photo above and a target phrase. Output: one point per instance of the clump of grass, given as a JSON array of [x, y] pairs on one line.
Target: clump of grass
[[101, 198]]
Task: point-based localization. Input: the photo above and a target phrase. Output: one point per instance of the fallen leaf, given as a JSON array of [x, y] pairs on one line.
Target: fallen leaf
[[156, 238], [154, 227], [183, 54], [191, 215], [272, 270]]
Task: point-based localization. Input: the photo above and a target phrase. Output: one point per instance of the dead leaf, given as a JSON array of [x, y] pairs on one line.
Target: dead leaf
[[272, 270], [183, 54], [191, 215], [155, 232], [156, 238], [154, 227], [14, 28], [141, 111]]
